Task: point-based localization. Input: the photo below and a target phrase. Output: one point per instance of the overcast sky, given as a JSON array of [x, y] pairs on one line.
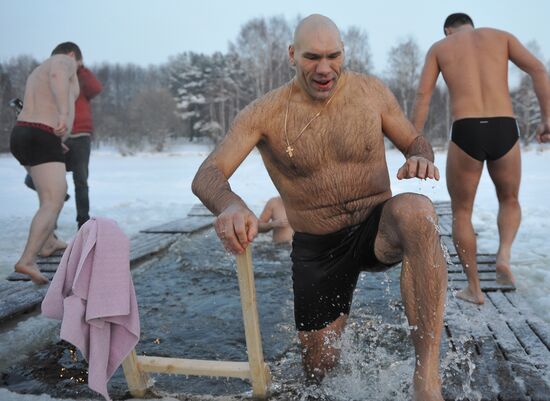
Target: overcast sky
[[148, 32]]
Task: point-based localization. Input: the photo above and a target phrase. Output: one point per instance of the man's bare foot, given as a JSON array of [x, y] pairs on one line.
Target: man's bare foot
[[504, 275], [32, 271], [469, 296], [52, 245]]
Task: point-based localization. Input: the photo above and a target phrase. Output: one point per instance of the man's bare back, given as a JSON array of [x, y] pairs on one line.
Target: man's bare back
[[474, 64], [48, 100], [326, 190]]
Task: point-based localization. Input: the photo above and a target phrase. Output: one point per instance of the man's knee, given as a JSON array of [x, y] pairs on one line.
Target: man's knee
[[509, 197], [410, 210]]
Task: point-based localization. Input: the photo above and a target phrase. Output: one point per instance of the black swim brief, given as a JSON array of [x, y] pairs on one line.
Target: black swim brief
[[326, 267], [32, 145], [485, 138]]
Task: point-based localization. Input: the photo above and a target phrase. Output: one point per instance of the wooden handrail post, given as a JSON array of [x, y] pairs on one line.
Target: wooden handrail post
[[138, 381], [259, 371]]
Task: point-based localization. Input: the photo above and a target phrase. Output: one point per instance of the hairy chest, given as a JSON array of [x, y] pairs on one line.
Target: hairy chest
[[349, 132]]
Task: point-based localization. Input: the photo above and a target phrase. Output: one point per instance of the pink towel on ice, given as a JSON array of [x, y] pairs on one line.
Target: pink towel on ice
[[93, 294]]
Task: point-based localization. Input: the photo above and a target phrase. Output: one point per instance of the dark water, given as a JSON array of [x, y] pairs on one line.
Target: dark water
[[189, 308]]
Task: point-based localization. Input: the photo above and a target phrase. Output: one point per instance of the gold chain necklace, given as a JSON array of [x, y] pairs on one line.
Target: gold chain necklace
[[289, 149]]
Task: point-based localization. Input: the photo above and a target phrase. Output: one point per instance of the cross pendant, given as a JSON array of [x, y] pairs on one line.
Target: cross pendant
[[289, 150]]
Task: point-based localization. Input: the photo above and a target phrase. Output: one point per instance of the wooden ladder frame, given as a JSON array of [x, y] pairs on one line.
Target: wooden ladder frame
[[136, 368]]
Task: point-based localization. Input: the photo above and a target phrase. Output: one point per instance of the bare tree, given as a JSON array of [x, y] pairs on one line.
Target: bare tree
[[152, 115], [262, 46], [358, 56], [404, 72]]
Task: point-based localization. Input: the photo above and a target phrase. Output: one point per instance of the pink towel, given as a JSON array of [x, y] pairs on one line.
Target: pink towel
[[93, 294]]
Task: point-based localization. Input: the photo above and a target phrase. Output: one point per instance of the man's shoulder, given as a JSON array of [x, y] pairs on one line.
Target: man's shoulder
[[61, 61], [269, 99], [366, 89], [366, 81], [491, 31]]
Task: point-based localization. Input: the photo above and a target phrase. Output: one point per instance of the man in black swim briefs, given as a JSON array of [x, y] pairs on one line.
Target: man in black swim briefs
[[474, 64], [321, 137], [485, 138]]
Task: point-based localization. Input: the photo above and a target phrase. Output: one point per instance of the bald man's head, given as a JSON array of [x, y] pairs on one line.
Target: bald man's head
[[318, 55], [313, 26]]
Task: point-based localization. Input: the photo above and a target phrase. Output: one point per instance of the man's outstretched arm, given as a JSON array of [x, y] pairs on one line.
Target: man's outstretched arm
[[428, 79], [527, 62]]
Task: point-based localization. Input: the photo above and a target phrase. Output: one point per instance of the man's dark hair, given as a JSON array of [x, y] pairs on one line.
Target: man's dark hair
[[457, 19], [66, 48]]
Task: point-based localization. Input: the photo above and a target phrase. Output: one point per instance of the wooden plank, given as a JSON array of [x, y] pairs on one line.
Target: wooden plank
[[157, 243], [21, 301], [485, 258], [535, 380], [9, 287], [483, 276], [504, 306], [486, 286], [541, 329], [467, 317], [193, 367], [523, 369], [182, 226], [200, 210], [482, 321], [48, 267], [537, 350], [259, 371], [505, 338], [24, 277], [533, 345], [49, 260], [495, 369], [457, 268]]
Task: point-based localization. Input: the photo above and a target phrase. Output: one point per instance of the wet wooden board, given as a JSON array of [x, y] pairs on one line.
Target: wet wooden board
[[507, 359], [24, 297], [23, 277], [182, 226], [199, 210], [144, 244], [482, 268], [508, 348], [18, 295], [482, 259]]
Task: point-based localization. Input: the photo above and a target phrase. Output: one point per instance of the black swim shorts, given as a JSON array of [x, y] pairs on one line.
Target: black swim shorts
[[34, 144], [485, 138], [325, 269]]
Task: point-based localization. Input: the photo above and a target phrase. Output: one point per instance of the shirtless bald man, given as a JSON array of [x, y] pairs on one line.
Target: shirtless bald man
[[474, 64], [321, 137]]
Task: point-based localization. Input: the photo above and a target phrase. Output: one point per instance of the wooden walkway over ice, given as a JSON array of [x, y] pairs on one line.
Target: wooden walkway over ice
[[506, 347], [509, 346], [18, 295]]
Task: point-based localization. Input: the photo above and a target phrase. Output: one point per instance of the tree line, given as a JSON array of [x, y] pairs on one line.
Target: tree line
[[195, 95]]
